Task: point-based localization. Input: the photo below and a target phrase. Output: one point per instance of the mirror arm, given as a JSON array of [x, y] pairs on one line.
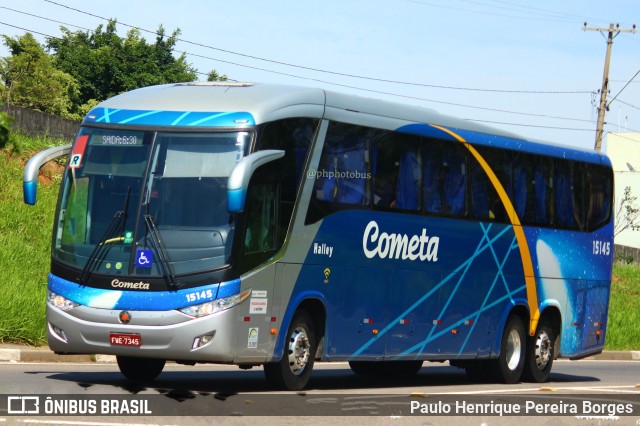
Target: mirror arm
[[241, 174], [31, 170]]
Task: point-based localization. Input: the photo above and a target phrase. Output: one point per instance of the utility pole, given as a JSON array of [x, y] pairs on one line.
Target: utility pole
[[605, 77]]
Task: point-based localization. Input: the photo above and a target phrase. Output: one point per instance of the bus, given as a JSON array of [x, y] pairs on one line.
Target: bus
[[257, 224]]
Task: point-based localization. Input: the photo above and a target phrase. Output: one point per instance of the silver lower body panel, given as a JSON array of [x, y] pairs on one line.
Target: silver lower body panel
[[166, 335]]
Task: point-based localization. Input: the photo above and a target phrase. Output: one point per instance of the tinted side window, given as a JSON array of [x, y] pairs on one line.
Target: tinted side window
[[569, 195], [294, 136], [445, 177], [342, 175], [485, 202], [599, 181], [397, 177], [343, 178]]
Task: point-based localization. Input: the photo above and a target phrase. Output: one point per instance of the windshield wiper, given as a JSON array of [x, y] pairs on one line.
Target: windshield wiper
[[99, 251], [161, 249]]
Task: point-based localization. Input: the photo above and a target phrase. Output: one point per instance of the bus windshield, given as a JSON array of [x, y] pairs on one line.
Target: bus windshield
[[147, 203]]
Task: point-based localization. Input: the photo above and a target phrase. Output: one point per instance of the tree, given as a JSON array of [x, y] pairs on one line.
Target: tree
[[105, 64], [6, 121], [31, 80], [627, 213], [214, 76]]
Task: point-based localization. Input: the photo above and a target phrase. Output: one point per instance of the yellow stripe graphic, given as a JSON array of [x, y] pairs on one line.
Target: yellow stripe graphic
[[525, 254]]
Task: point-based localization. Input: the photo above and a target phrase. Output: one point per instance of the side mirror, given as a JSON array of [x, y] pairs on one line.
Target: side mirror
[[30, 178], [241, 174]]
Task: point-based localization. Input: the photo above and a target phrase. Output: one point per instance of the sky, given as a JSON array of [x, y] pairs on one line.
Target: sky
[[521, 66]]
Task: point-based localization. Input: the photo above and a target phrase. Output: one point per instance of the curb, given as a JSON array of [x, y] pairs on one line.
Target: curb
[[617, 356], [17, 353]]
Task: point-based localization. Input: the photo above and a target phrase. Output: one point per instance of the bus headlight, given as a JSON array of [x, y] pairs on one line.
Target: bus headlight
[[214, 306], [60, 302]]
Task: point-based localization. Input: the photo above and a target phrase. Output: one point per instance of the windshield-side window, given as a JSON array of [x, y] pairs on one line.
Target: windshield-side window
[[186, 199]]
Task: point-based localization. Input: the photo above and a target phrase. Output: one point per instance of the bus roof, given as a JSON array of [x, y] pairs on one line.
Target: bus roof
[[230, 104]]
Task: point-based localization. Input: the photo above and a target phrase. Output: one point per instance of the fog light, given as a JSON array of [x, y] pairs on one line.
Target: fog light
[[58, 332], [203, 340]]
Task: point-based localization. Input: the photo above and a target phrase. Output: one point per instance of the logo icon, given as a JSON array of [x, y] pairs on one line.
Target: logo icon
[[327, 272], [23, 405], [124, 317], [144, 258]]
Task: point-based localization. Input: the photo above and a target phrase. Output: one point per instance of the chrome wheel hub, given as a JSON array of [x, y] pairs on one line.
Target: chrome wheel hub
[[543, 350], [513, 350], [299, 350]]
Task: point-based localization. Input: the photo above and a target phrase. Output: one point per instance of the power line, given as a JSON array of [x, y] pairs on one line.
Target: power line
[[371, 90], [58, 38], [46, 19], [627, 104], [624, 87], [341, 74], [605, 78]]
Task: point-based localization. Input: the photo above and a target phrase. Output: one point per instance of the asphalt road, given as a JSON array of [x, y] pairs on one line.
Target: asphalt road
[[236, 396]]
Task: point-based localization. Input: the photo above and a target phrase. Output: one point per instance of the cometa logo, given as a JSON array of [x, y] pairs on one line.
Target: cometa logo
[[128, 285], [399, 246]]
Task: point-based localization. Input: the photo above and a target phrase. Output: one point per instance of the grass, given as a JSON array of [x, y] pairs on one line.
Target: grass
[[623, 331], [25, 238]]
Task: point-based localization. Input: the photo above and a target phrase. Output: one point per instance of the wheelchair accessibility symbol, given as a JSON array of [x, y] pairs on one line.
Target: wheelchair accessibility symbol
[[144, 258]]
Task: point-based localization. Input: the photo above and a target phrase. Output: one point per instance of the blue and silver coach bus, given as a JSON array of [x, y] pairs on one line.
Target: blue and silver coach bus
[[255, 224]]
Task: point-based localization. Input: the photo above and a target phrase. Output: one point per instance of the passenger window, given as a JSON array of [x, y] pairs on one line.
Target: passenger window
[[396, 173], [342, 174], [600, 187], [569, 196], [485, 202], [541, 198], [444, 169]]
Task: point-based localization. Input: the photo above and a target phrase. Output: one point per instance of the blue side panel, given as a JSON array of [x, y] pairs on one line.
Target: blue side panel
[[438, 294], [425, 130], [170, 118], [575, 277], [138, 300], [416, 287]]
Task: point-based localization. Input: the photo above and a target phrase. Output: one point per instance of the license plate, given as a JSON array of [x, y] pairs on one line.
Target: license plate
[[123, 339]]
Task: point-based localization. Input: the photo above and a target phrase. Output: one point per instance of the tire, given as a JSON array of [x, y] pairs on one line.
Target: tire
[[540, 354], [385, 368], [140, 369], [510, 363], [293, 371]]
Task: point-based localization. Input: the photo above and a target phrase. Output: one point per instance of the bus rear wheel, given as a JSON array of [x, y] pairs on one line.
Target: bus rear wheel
[[293, 371], [540, 353], [509, 365], [140, 369]]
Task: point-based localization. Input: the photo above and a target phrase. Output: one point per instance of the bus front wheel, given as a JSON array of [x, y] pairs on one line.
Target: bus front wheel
[[140, 369], [293, 371], [509, 365]]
